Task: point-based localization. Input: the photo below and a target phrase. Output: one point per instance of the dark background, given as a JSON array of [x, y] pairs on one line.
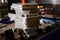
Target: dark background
[[49, 1], [18, 1]]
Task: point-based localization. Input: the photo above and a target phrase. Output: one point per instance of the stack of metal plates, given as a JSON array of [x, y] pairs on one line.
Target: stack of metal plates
[[26, 15]]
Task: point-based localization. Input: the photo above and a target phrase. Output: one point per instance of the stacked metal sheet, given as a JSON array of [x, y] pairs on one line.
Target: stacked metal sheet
[[26, 16]]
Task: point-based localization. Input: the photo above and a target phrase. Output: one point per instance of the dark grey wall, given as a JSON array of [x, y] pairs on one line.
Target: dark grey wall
[[49, 1]]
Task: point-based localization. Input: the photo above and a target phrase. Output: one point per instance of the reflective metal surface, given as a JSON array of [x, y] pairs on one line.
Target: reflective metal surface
[[3, 1]]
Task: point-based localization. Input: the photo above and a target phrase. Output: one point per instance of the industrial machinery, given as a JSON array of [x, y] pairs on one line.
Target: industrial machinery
[[3, 9], [4, 18], [50, 9]]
